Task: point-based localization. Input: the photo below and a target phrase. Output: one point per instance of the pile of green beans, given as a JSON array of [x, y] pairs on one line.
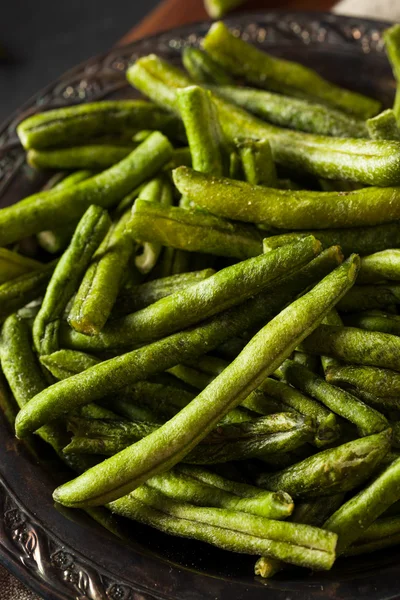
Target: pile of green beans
[[213, 349]]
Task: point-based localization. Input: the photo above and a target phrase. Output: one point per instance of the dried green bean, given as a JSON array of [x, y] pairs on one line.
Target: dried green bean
[[13, 265], [384, 126], [203, 69], [380, 266], [374, 321], [78, 157], [370, 297], [258, 164]]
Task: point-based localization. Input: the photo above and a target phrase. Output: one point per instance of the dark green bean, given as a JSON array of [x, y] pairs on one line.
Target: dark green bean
[[20, 291], [101, 283], [175, 439], [283, 76], [366, 419], [194, 231], [65, 363], [78, 157], [312, 363], [47, 210], [377, 267], [184, 308], [203, 69], [288, 209], [384, 126], [356, 515], [370, 297], [374, 321], [357, 346], [12, 265], [293, 112], [367, 547], [335, 470], [74, 123], [66, 277]]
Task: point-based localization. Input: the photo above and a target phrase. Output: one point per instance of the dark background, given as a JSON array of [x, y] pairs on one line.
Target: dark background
[[44, 38]]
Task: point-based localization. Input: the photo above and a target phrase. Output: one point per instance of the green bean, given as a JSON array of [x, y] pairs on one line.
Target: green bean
[[218, 8], [74, 123], [56, 240], [381, 528], [206, 140], [283, 76], [66, 277], [203, 69], [384, 126], [209, 364], [165, 447], [194, 231], [379, 266], [78, 157], [288, 209], [356, 515], [95, 411], [317, 551], [367, 547], [155, 358], [365, 161], [65, 363], [328, 362], [18, 292], [327, 430], [334, 470], [182, 486], [156, 191], [370, 297], [374, 321], [366, 419], [139, 296], [293, 112], [184, 308], [383, 384], [314, 512], [391, 38], [362, 240], [191, 376], [51, 209], [13, 265], [101, 283], [258, 164], [211, 478], [312, 363], [357, 346]]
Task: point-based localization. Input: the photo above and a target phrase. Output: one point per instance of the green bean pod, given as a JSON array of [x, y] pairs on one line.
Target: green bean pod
[[47, 210], [383, 384], [293, 113], [203, 69], [101, 283], [72, 124], [356, 515], [18, 292], [12, 265], [65, 363], [365, 161], [283, 76], [380, 266], [193, 231], [79, 157], [168, 445], [288, 209], [374, 320], [356, 346], [152, 508], [258, 164], [384, 126], [158, 190], [332, 471], [228, 287], [366, 419], [370, 297], [66, 277]]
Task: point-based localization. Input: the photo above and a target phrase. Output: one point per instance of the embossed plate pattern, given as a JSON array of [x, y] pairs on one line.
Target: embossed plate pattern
[[65, 555]]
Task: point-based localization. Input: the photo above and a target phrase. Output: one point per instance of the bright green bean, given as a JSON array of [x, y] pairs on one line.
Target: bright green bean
[[168, 445], [218, 8], [283, 76], [293, 112], [75, 123], [288, 209], [366, 419], [51, 209], [194, 231], [101, 283], [66, 277], [78, 157], [203, 69], [335, 470], [356, 346], [356, 515]]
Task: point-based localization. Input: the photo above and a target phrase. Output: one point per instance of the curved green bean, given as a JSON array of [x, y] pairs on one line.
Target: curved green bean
[[283, 76], [51, 209], [66, 277], [335, 470]]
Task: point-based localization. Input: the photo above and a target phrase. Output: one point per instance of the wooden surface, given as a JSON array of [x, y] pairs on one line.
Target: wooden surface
[[172, 13]]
